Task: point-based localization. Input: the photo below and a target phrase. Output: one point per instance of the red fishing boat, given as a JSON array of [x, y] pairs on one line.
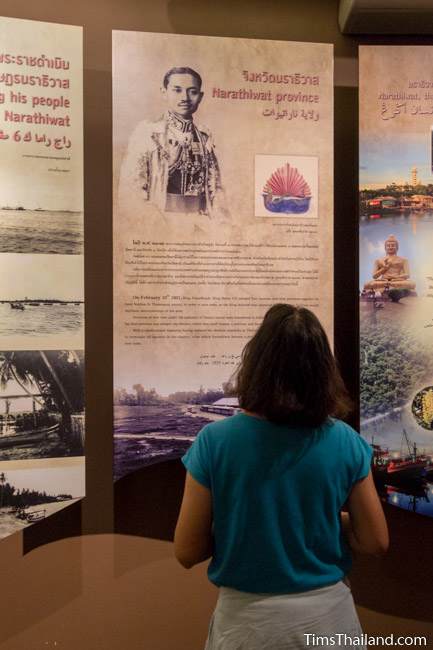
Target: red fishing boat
[[411, 466]]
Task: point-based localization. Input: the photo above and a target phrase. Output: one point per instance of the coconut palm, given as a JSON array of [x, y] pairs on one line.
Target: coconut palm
[[58, 374]]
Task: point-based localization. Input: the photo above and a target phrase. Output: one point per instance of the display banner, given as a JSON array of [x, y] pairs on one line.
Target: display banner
[[41, 270], [396, 270], [223, 206]]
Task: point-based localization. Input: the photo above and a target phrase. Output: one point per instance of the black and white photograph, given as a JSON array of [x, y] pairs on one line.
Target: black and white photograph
[[41, 404], [24, 230], [41, 301], [32, 493], [150, 427], [171, 161]]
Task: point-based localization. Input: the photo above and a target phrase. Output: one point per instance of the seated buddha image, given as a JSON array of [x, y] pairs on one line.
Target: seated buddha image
[[390, 271]]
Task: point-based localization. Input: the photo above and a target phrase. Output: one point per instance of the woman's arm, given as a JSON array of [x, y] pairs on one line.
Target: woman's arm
[[366, 527], [193, 535]]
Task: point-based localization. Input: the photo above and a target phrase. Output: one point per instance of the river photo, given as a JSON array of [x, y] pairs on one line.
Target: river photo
[[41, 320], [148, 434], [42, 301], [41, 231]]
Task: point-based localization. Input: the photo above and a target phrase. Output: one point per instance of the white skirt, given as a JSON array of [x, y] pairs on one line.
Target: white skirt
[[244, 621]]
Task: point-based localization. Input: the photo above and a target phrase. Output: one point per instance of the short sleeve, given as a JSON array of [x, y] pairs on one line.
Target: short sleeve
[[363, 454], [197, 461]]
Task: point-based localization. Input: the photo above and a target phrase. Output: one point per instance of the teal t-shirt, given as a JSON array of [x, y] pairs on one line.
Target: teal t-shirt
[[277, 493]]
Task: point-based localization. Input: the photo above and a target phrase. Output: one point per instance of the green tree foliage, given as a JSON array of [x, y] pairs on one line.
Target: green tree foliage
[[392, 363], [397, 191]]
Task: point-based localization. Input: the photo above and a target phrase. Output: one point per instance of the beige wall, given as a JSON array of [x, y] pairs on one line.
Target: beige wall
[[123, 591]]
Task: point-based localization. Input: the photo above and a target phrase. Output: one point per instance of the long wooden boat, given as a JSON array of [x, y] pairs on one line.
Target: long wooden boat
[[27, 437]]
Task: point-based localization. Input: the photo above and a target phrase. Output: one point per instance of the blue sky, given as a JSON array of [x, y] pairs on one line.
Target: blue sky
[[384, 161]]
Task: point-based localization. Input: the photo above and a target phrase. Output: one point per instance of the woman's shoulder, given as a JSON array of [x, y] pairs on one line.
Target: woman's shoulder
[[340, 428], [229, 431], [223, 426], [348, 439]]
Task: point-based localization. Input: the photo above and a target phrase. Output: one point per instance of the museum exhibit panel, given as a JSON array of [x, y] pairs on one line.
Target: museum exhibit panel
[[223, 206], [42, 274], [396, 271]]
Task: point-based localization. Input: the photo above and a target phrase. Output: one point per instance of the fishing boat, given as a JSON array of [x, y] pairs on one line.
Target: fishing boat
[[17, 305], [401, 468], [25, 427], [14, 438], [47, 414]]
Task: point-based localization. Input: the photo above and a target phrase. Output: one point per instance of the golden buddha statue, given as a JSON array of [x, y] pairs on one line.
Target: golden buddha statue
[[391, 271]]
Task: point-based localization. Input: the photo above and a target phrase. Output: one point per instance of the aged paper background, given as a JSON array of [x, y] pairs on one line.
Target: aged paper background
[[46, 177], [246, 263]]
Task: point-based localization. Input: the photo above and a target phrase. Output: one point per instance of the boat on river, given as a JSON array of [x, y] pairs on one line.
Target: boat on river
[[14, 438], [409, 467]]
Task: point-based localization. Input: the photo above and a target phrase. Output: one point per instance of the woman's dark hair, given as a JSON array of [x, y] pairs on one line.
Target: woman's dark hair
[[288, 373]]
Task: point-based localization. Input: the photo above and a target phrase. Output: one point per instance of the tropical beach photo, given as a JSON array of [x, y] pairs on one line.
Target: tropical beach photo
[[41, 404], [30, 494]]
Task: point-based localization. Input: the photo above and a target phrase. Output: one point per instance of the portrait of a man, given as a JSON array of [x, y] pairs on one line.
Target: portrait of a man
[[172, 163]]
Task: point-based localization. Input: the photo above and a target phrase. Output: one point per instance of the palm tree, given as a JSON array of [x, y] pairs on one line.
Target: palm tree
[[59, 376]]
